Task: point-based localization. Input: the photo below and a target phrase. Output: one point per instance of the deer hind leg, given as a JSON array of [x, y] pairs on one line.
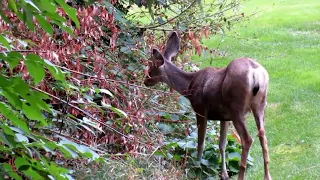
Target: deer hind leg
[[258, 106], [222, 147], [246, 140], [202, 128]]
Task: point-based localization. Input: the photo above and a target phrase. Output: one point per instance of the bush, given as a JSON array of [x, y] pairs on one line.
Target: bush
[[70, 87]]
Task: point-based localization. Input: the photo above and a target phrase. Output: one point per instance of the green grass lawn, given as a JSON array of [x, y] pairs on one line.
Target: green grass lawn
[[285, 39]]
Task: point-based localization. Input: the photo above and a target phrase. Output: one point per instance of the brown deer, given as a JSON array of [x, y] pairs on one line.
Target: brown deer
[[224, 94]]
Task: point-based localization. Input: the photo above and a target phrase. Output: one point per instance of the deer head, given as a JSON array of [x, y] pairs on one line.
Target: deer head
[[158, 61]]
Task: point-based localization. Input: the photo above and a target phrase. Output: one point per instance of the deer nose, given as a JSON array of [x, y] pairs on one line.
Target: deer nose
[[148, 82]]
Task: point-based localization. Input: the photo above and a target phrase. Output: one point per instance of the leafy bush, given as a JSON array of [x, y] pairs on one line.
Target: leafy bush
[[26, 117], [70, 85]]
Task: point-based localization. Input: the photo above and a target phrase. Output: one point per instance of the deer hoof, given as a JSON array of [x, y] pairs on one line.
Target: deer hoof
[[267, 177], [224, 176]]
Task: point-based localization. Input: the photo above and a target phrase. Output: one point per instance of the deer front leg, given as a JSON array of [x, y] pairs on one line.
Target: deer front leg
[[222, 147], [202, 127]]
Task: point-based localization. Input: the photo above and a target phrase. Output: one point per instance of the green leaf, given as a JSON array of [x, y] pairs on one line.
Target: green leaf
[[13, 117], [187, 144], [7, 130], [116, 110], [35, 67], [4, 17], [11, 172], [32, 4], [8, 140], [55, 71], [190, 145], [81, 149], [48, 148], [40, 95], [174, 117], [4, 42], [164, 115], [19, 161], [25, 166], [184, 102], [36, 99], [177, 157], [21, 138], [4, 82], [149, 3], [72, 13], [19, 86], [159, 153], [28, 18], [234, 166], [54, 16], [63, 27], [48, 6], [67, 152], [20, 15], [50, 145], [58, 172], [105, 91], [125, 49], [234, 156], [33, 113], [164, 128], [12, 5], [204, 162], [5, 149], [13, 59], [44, 24], [33, 174], [160, 20]]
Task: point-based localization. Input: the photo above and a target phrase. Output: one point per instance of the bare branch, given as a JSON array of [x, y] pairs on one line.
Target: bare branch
[[155, 26]]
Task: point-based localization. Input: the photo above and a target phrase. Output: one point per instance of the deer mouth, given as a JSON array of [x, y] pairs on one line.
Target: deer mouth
[[149, 82]]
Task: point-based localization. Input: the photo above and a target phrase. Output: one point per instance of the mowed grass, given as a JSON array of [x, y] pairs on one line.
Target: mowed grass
[[285, 39]]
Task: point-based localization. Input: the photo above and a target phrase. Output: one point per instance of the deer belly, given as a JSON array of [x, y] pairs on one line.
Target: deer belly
[[219, 114]]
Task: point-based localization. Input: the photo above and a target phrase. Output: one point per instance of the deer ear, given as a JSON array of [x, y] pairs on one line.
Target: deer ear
[[157, 56], [172, 46]]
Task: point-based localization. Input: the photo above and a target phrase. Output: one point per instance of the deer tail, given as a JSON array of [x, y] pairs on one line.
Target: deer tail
[[257, 79]]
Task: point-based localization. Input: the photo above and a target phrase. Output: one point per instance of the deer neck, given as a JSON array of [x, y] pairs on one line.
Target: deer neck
[[176, 78]]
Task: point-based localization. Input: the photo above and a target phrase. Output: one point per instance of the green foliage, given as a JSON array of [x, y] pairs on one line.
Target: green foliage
[[41, 10], [24, 111]]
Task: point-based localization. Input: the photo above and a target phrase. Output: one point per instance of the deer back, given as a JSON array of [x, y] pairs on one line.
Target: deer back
[[216, 89]]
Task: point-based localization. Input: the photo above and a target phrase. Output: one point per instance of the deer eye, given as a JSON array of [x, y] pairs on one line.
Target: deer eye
[[150, 63], [151, 73]]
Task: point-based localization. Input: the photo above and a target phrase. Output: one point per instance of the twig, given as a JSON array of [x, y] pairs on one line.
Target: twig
[[76, 140], [174, 121], [142, 104], [151, 27], [112, 80], [39, 51], [153, 152], [84, 112]]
